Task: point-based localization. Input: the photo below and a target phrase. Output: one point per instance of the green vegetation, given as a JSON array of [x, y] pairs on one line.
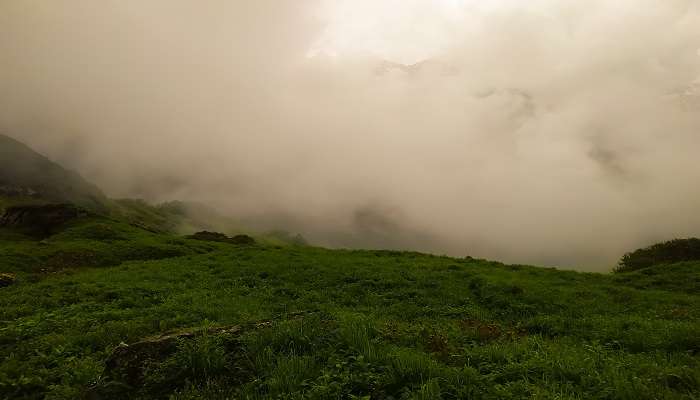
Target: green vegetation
[[171, 217], [324, 324], [670, 252], [89, 242]]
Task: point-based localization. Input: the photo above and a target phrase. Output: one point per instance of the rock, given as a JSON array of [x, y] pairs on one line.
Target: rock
[[43, 219], [126, 365], [7, 279], [17, 191]]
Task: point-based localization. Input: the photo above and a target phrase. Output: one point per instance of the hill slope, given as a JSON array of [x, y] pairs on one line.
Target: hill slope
[[27, 177], [27, 174], [301, 322]]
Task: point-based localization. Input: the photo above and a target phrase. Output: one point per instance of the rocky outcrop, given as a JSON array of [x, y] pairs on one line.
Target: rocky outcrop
[[126, 368], [40, 219], [127, 362], [17, 191]]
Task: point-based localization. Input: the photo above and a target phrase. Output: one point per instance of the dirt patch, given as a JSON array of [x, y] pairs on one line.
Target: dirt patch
[[483, 331], [489, 331]]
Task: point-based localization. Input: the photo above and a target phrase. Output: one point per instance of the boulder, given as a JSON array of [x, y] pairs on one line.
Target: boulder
[[126, 365]]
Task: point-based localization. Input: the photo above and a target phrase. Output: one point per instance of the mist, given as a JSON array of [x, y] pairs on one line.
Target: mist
[[560, 133]]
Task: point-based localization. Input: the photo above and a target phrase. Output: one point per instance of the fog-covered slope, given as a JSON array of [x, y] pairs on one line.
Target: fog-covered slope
[[27, 174]]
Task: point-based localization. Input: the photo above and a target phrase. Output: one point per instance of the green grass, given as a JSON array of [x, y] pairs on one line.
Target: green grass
[[89, 242], [343, 324]]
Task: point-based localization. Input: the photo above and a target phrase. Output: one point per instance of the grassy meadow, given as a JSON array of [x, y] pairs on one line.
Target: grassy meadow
[[335, 324]]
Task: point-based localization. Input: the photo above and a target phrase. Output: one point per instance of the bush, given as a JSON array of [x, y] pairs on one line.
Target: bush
[[102, 232], [242, 239], [674, 251], [220, 237]]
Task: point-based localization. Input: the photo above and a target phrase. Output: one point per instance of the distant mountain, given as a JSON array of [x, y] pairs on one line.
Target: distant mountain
[[29, 178], [26, 174]]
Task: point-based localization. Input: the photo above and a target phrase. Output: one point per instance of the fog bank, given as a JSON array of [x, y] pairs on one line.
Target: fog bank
[[561, 132]]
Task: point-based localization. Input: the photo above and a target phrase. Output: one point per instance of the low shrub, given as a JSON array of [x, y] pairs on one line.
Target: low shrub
[[222, 238], [670, 252]]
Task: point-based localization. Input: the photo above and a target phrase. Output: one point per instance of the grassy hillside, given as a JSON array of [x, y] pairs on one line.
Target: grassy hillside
[[326, 324], [89, 242], [173, 217], [27, 177]]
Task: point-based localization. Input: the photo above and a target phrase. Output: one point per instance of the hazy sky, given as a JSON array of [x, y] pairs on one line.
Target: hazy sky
[[559, 132]]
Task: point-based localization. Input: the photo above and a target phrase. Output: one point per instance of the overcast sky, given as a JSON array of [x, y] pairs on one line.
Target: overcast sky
[[557, 132]]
